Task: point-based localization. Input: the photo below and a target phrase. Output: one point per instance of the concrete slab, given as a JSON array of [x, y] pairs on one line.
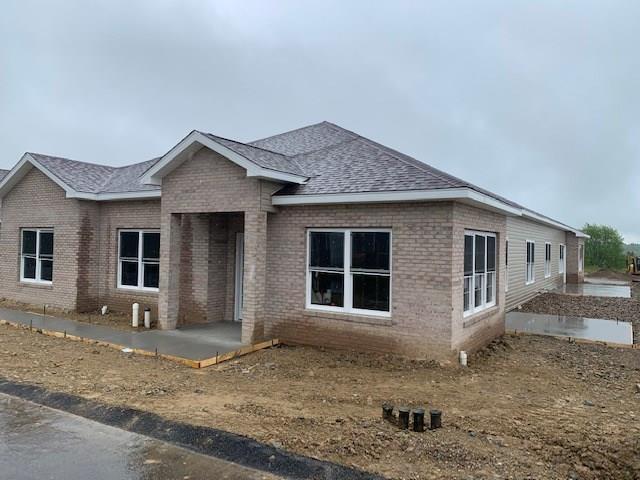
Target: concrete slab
[[606, 281], [594, 290], [192, 343], [600, 330]]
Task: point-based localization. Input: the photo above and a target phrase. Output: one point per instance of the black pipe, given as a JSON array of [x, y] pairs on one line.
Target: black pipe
[[387, 411], [436, 419], [403, 418], [418, 420]]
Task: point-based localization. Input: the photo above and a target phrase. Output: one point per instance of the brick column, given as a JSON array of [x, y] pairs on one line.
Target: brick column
[[255, 252], [573, 245], [170, 247]]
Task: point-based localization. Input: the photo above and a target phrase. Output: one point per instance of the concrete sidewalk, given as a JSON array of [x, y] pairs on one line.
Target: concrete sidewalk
[[193, 343], [594, 290]]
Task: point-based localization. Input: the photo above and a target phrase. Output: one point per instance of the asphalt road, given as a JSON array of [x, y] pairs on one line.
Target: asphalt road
[[41, 443]]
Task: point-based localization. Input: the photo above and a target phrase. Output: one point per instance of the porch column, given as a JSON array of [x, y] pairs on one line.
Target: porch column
[[255, 253], [170, 248], [574, 273]]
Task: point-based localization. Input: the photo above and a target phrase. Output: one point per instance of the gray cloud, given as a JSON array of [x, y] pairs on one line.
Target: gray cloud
[[537, 101]]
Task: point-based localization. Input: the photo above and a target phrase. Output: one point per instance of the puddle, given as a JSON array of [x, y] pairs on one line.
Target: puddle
[[611, 331], [595, 290]]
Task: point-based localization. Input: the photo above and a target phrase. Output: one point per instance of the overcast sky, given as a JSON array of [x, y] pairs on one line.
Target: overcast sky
[[538, 101]]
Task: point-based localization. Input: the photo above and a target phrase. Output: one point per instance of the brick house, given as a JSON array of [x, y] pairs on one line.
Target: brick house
[[315, 236]]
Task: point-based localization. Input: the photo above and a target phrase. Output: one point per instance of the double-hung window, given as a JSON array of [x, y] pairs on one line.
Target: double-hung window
[[531, 257], [547, 260], [36, 264], [349, 270], [479, 288], [139, 259]]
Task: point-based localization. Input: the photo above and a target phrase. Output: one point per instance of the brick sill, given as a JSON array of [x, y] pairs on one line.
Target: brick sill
[[45, 286], [350, 317], [137, 293], [480, 316]]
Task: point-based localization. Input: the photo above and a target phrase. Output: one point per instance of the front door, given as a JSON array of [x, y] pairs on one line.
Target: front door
[[237, 315]]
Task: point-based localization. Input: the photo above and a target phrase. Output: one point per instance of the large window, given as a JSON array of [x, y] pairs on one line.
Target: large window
[[531, 262], [139, 259], [349, 271], [36, 263], [479, 288], [547, 260]]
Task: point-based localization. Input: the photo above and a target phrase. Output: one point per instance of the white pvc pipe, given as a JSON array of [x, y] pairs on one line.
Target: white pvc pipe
[[463, 358], [135, 315], [147, 318], [104, 310]]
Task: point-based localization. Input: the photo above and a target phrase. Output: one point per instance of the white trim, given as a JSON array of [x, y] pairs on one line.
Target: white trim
[[239, 278], [195, 140], [533, 263], [38, 273], [484, 305], [347, 300], [140, 287], [547, 264], [506, 265]]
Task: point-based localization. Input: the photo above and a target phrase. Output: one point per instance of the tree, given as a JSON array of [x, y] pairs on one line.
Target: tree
[[605, 248]]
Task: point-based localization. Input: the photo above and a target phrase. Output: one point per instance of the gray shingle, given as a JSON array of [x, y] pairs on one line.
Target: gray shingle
[[3, 173]]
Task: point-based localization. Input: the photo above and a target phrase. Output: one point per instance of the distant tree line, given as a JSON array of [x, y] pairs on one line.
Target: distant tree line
[[605, 248]]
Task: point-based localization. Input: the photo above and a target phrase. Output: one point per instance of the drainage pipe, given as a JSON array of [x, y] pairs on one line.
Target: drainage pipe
[[418, 420], [436, 419], [403, 418], [147, 317], [135, 314]]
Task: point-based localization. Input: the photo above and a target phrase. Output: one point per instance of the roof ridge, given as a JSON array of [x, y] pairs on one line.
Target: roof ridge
[[287, 132], [245, 144]]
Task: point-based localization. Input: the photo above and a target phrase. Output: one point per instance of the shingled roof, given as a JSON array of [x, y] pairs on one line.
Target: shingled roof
[[316, 160]]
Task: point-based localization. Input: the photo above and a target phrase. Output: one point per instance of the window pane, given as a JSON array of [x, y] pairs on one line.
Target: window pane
[[129, 274], [491, 254], [479, 254], [467, 294], [371, 292], [46, 244], [29, 242], [129, 244], [46, 270], [29, 267], [370, 250], [151, 246], [151, 275], [490, 279], [327, 249], [479, 279], [327, 289], [468, 254]]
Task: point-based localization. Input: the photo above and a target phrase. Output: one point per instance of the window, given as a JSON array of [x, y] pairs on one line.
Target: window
[[479, 284], [531, 257], [506, 266], [139, 259], [349, 271], [36, 263], [580, 257], [547, 260], [561, 260]]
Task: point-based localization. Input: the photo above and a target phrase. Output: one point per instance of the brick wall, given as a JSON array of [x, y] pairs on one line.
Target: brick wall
[[37, 202], [420, 324]]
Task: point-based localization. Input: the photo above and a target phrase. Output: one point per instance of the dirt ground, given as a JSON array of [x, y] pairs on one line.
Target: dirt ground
[[111, 319], [625, 309], [526, 407]]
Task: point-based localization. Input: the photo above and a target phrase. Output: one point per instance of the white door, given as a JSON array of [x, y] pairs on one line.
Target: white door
[[237, 315], [563, 264]]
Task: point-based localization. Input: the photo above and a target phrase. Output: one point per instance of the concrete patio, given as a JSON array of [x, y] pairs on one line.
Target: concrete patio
[[591, 329], [197, 346], [595, 290]]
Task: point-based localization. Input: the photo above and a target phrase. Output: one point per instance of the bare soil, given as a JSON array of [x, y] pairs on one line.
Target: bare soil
[[526, 407], [116, 320]]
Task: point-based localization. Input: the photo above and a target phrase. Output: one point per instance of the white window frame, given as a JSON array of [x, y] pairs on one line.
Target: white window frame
[[473, 308], [140, 286], [348, 276], [547, 261], [36, 256], [562, 254], [532, 280], [506, 265]]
